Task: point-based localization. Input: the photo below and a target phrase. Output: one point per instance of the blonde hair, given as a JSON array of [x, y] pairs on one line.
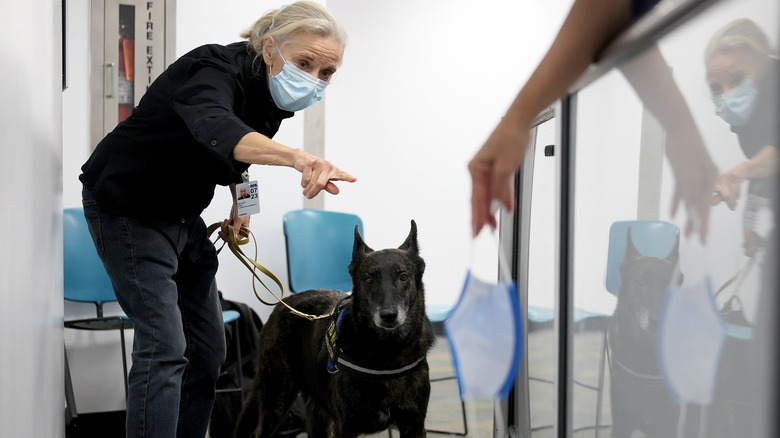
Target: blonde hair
[[283, 23], [740, 35]]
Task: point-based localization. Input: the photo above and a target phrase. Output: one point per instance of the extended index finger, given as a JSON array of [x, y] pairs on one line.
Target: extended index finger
[[340, 175]]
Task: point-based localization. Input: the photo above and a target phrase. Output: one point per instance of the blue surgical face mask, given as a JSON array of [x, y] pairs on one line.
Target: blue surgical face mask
[[690, 340], [736, 106], [293, 89], [485, 336]]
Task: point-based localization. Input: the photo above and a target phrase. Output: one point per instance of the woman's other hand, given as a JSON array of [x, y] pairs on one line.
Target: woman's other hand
[[237, 223]]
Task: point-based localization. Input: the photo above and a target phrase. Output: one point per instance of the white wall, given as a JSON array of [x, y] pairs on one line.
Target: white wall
[[31, 378], [422, 86]]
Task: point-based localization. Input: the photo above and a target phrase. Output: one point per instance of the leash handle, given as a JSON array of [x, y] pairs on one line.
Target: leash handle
[[253, 266]]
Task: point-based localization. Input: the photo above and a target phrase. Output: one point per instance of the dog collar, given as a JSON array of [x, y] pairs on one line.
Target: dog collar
[[337, 357], [347, 362]]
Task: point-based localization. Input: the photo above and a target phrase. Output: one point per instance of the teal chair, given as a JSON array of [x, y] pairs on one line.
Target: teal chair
[[651, 238], [319, 249], [86, 281]]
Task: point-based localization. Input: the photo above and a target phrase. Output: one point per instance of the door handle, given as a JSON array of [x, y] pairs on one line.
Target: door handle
[[110, 68]]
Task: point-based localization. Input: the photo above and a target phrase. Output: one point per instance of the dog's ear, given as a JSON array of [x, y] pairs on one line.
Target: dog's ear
[[631, 251], [359, 248], [410, 244]]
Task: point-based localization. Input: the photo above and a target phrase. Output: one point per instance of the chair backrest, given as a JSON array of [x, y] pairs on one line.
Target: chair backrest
[[85, 278], [651, 238], [319, 248]]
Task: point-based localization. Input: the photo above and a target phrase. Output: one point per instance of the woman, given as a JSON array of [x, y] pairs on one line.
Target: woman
[[212, 112], [741, 74]]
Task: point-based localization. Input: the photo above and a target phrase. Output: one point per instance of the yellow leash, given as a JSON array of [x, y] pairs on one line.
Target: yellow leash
[[251, 264]]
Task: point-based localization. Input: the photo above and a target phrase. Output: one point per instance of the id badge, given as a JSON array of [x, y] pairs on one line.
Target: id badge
[[247, 198]]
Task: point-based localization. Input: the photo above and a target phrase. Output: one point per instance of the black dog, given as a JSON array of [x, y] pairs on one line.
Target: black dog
[[639, 398], [377, 374]]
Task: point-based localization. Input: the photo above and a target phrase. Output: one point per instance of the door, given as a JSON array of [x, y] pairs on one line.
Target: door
[[130, 49]]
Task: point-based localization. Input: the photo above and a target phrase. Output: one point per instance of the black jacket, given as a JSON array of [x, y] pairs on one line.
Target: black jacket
[[167, 157]]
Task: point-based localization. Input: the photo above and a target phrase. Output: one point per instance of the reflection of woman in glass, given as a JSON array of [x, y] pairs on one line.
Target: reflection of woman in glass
[[741, 73]]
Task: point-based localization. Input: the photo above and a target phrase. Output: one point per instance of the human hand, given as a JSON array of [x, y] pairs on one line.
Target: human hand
[[237, 223], [492, 170], [694, 178], [319, 174], [727, 189]]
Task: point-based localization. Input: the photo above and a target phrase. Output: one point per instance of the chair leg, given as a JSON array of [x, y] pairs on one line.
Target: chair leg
[[71, 413], [124, 354], [462, 411], [239, 362], [600, 388]]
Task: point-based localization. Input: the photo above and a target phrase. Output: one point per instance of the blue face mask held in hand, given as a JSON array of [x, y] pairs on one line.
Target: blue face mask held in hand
[[690, 339], [736, 105], [293, 89], [486, 338]]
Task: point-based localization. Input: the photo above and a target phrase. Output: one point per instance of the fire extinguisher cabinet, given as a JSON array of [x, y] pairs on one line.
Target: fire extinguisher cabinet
[[132, 42]]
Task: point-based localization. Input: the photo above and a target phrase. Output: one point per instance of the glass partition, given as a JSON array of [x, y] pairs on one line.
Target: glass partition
[[672, 233]]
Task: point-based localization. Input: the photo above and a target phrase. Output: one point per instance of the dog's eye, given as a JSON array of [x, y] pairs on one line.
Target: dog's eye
[[404, 277], [369, 280]]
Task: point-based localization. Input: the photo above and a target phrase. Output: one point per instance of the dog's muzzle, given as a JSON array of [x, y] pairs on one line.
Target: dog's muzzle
[[390, 318]]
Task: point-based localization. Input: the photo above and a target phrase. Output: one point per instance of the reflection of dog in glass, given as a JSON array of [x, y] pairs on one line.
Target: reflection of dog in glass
[[640, 400]]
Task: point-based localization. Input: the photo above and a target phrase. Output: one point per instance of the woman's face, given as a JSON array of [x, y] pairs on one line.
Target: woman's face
[[727, 70], [316, 55]]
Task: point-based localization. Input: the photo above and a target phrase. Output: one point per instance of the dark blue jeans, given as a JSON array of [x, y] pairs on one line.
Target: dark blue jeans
[[163, 274]]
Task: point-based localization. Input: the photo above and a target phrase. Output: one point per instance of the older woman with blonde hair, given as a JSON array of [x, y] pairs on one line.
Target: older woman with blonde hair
[[742, 73], [210, 115]]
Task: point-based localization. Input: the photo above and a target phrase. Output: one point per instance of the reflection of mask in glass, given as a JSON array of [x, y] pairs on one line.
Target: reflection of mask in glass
[[293, 89], [736, 105], [485, 337], [690, 340]]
